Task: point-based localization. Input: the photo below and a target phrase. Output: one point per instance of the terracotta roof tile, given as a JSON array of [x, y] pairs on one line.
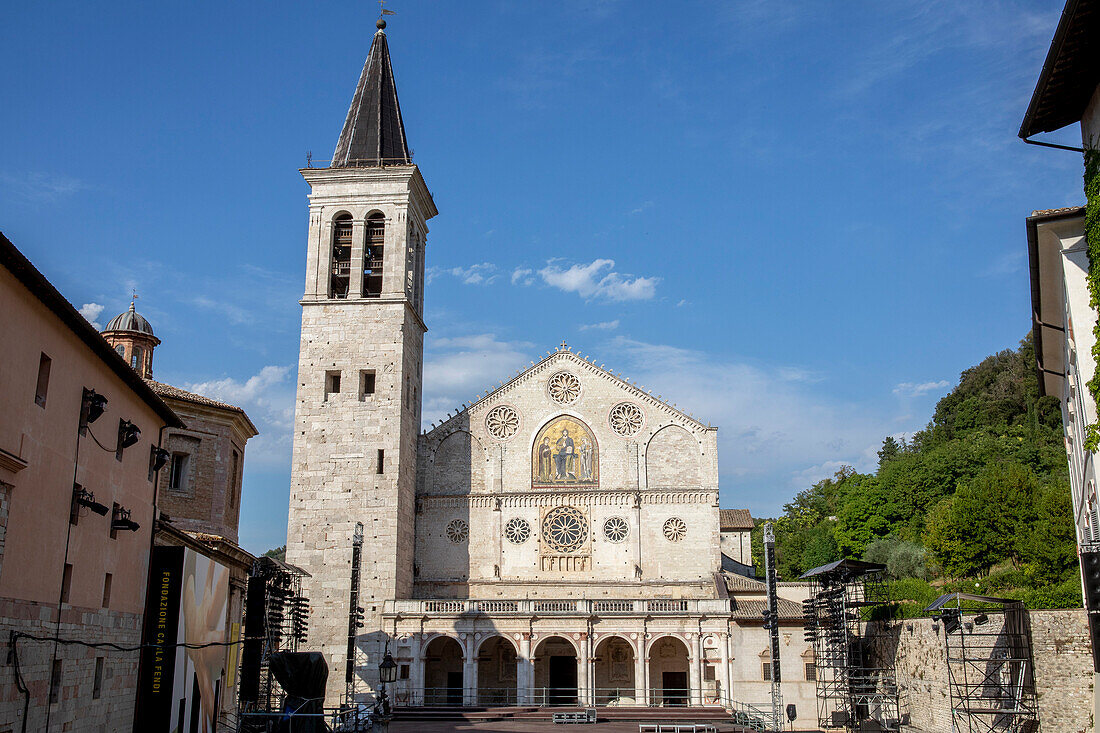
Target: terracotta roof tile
[[167, 390], [752, 610], [733, 519]]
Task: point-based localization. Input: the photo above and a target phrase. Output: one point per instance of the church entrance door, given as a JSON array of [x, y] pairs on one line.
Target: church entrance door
[[675, 688], [563, 681]]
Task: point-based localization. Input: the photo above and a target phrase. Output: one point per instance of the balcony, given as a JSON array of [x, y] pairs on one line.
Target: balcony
[[560, 607]]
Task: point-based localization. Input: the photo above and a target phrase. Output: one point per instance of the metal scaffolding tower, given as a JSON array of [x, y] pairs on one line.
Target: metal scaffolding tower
[[987, 642], [852, 691]]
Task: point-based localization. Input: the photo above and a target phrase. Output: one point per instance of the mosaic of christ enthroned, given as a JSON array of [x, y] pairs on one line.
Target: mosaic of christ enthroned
[[565, 454]]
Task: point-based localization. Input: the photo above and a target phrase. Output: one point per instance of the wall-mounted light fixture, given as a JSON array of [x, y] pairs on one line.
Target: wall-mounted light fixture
[[92, 405], [120, 520], [157, 458], [128, 434], [84, 498]]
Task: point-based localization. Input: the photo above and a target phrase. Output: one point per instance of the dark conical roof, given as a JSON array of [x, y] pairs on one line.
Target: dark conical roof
[[131, 320], [373, 133]]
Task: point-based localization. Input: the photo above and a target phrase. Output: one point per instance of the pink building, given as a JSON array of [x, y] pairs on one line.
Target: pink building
[[79, 429]]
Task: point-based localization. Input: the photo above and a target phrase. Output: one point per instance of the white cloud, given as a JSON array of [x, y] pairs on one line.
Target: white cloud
[[915, 389], [268, 398], [482, 273], [776, 435], [601, 326], [457, 369], [598, 279], [91, 312], [234, 313], [642, 207], [40, 188], [522, 276]]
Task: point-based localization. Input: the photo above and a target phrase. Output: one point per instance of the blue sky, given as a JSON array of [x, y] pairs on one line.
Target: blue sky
[[799, 221]]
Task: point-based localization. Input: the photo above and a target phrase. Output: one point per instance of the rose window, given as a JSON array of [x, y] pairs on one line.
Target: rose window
[[675, 529], [517, 531], [564, 529], [616, 529], [626, 419], [502, 422], [564, 388], [457, 531]]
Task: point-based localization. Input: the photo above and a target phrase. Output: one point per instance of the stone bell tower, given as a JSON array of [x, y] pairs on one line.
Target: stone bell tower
[[357, 414]]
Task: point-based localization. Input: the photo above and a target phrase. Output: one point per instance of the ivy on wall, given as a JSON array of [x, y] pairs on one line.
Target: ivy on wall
[[1092, 237]]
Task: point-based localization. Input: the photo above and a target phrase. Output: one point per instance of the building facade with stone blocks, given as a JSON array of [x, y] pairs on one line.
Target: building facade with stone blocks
[[199, 487], [76, 510], [558, 541]]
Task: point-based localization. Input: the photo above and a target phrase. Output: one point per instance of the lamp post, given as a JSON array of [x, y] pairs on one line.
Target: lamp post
[[387, 673]]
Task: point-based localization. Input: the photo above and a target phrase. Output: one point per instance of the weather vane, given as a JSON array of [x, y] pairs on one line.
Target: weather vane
[[382, 8], [133, 294]]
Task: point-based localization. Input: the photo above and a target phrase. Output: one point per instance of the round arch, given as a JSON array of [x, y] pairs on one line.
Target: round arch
[[669, 665], [497, 661], [614, 671], [672, 458], [555, 664], [560, 459], [457, 467], [443, 661]]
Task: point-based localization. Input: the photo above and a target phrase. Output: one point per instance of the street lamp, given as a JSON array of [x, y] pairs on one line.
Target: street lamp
[[387, 673]]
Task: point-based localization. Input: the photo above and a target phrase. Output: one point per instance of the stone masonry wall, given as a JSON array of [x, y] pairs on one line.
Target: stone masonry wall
[[76, 710], [1062, 668]]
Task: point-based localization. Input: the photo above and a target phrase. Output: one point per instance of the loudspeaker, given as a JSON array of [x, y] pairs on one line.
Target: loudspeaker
[[254, 632]]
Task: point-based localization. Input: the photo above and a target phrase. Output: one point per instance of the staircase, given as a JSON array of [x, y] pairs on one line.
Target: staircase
[[483, 714]]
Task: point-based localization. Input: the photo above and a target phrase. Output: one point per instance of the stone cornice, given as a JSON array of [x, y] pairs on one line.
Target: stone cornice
[[464, 417]]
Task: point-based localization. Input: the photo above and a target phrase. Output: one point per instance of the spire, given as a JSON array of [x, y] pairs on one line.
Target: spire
[[373, 133]]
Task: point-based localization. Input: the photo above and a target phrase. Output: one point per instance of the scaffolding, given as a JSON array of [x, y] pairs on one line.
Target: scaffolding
[[853, 692], [987, 642], [286, 620]]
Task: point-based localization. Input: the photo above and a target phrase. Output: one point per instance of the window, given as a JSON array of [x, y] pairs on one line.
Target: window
[[811, 672], [66, 582], [766, 668], [332, 383], [380, 468], [135, 358], [232, 489], [97, 680], [43, 380], [55, 682], [341, 256], [708, 673], [121, 349], [366, 384], [373, 255], [177, 472], [403, 672], [107, 580]]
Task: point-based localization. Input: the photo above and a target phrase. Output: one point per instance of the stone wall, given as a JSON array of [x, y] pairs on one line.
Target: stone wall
[[1062, 669], [79, 707]]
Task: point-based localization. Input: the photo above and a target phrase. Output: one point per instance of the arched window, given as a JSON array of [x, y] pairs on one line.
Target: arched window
[[121, 349], [373, 255], [136, 358], [341, 256]]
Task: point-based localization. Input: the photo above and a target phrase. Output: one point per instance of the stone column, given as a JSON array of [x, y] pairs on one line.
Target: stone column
[[724, 668], [639, 674], [358, 243], [695, 670], [584, 677], [416, 670], [469, 671], [525, 673]]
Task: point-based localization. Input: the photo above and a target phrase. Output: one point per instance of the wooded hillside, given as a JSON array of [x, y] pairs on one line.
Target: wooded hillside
[[978, 500]]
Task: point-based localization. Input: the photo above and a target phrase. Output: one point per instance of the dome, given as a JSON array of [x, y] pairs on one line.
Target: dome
[[131, 320]]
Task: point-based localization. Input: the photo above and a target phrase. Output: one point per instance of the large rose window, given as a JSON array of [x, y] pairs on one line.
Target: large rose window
[[502, 422], [564, 529], [564, 388]]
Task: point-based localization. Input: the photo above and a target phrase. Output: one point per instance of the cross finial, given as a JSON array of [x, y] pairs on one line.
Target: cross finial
[[382, 12], [563, 346]]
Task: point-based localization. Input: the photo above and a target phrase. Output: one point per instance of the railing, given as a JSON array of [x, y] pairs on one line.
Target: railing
[[558, 607]]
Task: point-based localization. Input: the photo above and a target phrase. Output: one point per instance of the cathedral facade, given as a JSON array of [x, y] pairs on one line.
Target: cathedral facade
[[558, 541]]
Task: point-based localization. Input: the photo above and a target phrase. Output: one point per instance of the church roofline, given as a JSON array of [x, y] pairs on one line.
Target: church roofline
[[564, 351]]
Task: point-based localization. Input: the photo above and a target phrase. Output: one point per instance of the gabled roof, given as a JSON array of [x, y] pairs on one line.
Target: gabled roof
[[564, 354], [373, 133], [734, 519], [48, 295], [1070, 73]]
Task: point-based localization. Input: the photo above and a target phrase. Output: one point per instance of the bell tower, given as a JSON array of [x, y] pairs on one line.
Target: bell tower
[[357, 415]]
